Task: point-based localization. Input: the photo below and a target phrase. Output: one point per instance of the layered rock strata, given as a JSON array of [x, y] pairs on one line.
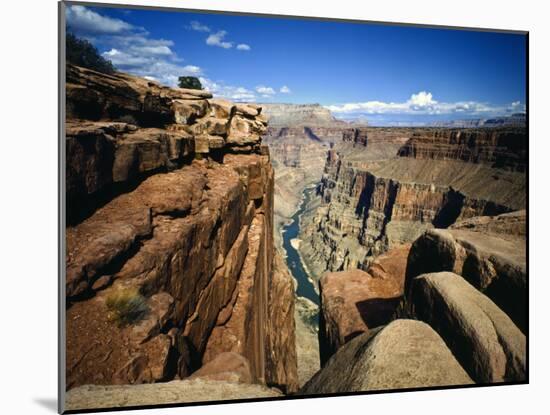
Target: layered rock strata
[[179, 222], [383, 188]]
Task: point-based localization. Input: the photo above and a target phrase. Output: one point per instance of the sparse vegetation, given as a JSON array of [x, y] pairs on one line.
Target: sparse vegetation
[[189, 82], [126, 306], [82, 53]]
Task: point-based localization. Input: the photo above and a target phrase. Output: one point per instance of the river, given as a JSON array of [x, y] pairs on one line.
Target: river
[[305, 286]]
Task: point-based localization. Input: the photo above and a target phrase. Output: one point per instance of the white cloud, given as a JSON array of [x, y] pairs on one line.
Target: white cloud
[[91, 22], [423, 103], [422, 99], [265, 90], [216, 39], [234, 93], [192, 69], [243, 46], [285, 90], [199, 27], [160, 50]]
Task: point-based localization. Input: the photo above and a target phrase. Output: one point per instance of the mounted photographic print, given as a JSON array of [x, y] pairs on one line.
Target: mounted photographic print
[[260, 207]]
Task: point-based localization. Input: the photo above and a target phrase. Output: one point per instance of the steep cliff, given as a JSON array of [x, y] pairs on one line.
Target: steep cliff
[[384, 187], [170, 253], [298, 137]]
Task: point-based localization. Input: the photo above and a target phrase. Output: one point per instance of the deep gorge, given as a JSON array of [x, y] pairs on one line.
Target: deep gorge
[[215, 215]]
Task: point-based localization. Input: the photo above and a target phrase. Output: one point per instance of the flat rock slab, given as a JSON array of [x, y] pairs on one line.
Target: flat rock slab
[[403, 354], [179, 391], [482, 337]]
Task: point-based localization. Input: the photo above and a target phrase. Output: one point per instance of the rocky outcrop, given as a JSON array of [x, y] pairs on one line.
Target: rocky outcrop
[[355, 301], [403, 354], [137, 127], [483, 338], [370, 200], [174, 392], [492, 262], [511, 225], [179, 226]]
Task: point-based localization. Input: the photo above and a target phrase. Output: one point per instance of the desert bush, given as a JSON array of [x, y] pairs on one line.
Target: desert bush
[[189, 82], [126, 306], [82, 53]]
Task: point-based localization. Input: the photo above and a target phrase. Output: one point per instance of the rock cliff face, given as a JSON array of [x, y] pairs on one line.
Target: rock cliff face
[[501, 148], [170, 213], [385, 187]]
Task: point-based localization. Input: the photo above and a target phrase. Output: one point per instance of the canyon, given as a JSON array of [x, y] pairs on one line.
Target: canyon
[[383, 187], [219, 250]]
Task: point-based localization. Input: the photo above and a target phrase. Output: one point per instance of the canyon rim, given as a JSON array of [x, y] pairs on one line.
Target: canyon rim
[[247, 219]]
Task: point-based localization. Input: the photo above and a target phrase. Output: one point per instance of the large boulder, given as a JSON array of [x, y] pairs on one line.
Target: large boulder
[[493, 264], [352, 302], [482, 337], [228, 366], [403, 354]]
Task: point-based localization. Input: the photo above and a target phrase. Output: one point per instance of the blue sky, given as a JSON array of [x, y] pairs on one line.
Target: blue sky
[[381, 72]]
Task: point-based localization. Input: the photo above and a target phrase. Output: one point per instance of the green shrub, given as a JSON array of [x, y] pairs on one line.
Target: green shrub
[[126, 306], [189, 82], [82, 53]]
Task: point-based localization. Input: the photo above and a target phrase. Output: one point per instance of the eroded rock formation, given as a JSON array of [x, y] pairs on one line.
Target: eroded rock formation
[[482, 337], [490, 253], [170, 208]]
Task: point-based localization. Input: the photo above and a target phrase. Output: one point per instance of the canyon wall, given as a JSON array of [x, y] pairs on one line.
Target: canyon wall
[[298, 136], [170, 254], [384, 187]]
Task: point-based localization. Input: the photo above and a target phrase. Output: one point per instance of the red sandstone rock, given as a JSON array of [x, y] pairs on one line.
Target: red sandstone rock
[[193, 238], [230, 367]]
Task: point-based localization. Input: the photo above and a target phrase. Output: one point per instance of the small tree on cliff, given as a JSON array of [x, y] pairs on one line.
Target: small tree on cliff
[[189, 82], [82, 53]]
